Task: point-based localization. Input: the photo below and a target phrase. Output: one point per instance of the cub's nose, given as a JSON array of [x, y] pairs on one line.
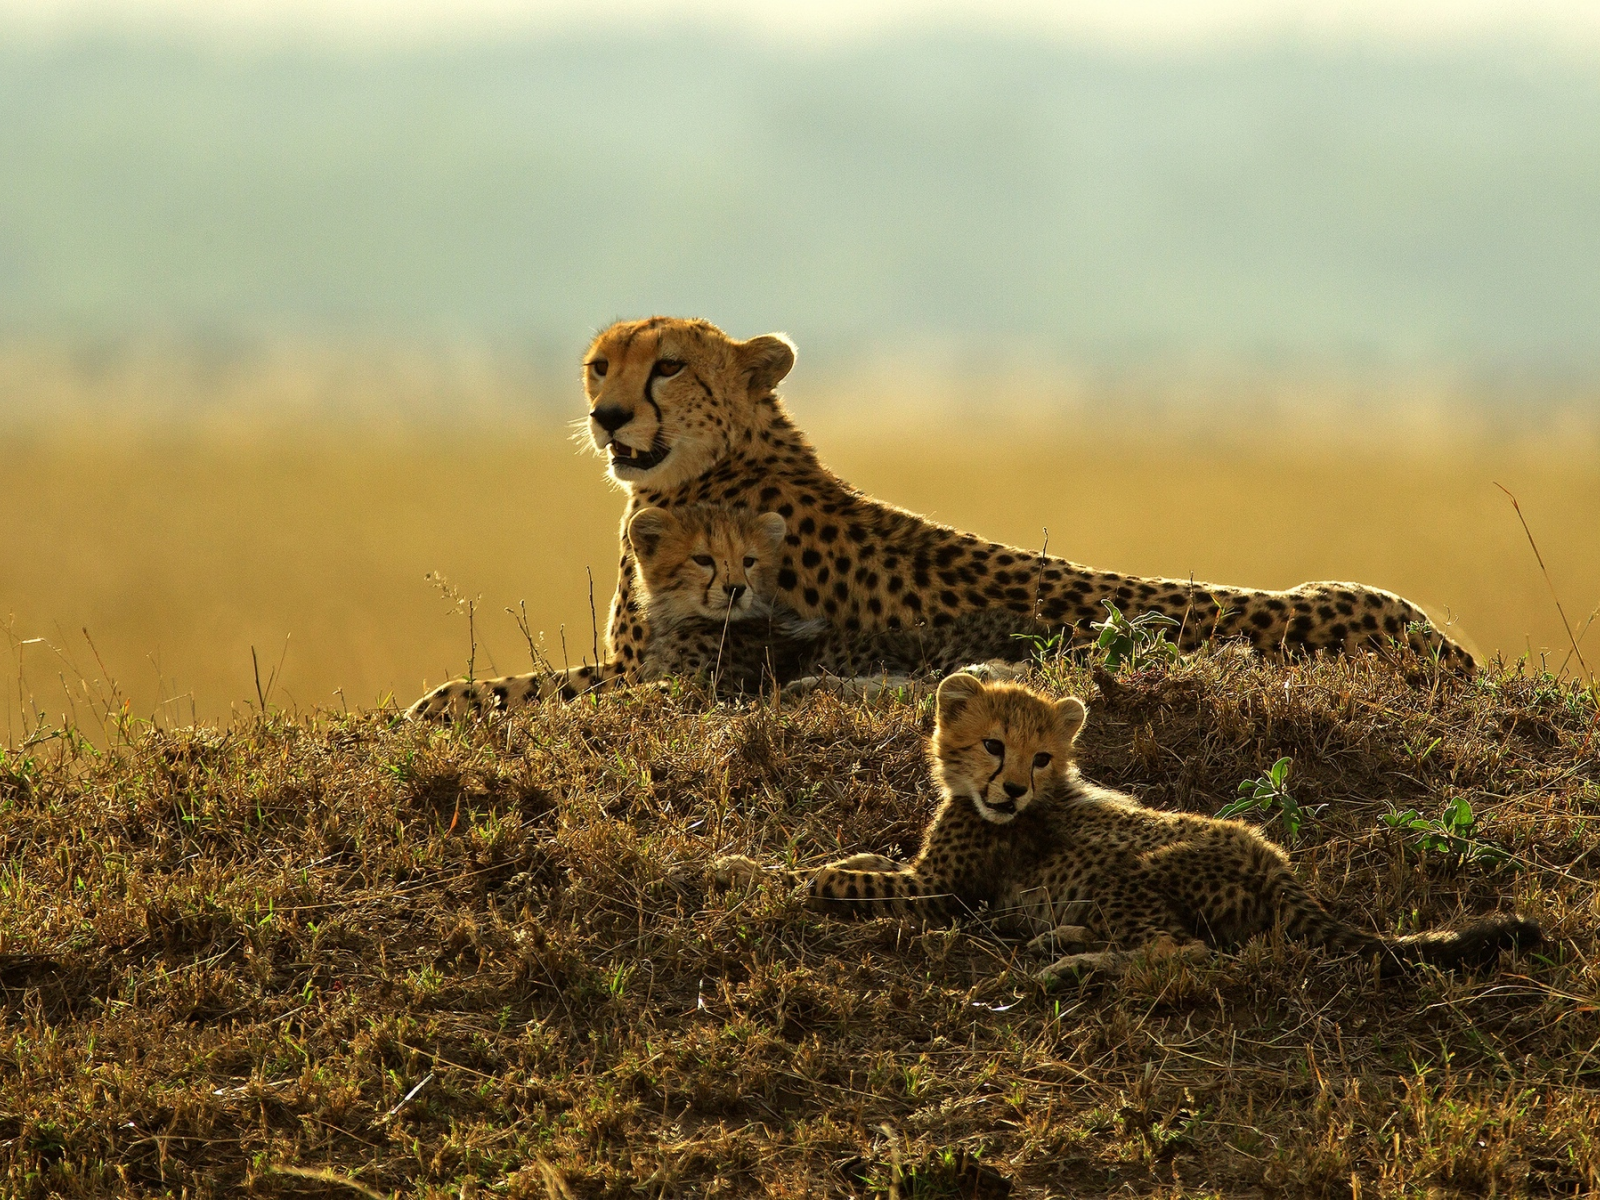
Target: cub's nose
[[734, 591], [1015, 790], [611, 417]]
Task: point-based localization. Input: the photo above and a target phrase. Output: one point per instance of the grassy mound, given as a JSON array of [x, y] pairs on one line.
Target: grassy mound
[[326, 955]]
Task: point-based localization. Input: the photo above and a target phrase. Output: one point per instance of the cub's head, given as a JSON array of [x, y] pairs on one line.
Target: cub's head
[[705, 561], [1002, 745], [666, 395]]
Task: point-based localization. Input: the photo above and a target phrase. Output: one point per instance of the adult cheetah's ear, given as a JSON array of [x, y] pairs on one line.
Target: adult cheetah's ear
[[648, 527], [766, 360], [955, 693], [1072, 713], [773, 527]]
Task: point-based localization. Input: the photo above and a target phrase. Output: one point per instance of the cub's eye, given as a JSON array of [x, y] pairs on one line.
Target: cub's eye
[[749, 561], [995, 747], [705, 560], [598, 366], [668, 367], [1041, 761]]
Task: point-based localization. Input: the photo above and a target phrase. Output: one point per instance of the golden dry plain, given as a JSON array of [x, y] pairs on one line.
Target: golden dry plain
[[261, 522]]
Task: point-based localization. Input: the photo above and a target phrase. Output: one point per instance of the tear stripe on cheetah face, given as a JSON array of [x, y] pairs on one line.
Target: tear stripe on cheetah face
[[859, 563], [1130, 879], [659, 401]]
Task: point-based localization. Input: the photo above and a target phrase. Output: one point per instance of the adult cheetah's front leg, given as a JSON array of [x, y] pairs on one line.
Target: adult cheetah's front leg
[[480, 697]]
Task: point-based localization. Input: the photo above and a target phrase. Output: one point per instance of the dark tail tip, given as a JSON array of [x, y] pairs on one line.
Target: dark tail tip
[[1480, 943]]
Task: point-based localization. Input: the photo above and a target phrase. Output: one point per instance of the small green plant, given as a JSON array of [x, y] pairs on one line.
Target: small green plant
[[1453, 833], [1269, 796], [1136, 641], [1048, 647]]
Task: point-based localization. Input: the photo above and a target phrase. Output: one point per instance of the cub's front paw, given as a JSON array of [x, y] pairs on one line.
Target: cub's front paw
[[865, 862], [1059, 939], [734, 870]]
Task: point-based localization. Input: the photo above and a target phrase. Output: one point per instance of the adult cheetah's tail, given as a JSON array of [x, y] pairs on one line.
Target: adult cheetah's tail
[[1476, 944]]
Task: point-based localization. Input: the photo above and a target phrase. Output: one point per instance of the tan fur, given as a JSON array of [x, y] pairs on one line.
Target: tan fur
[[1021, 835], [700, 406]]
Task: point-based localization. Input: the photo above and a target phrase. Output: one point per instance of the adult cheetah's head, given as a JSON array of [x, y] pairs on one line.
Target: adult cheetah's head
[[1001, 745], [705, 561], [666, 395]]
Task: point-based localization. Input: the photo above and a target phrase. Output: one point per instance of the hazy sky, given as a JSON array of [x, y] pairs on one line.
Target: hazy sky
[[1131, 22]]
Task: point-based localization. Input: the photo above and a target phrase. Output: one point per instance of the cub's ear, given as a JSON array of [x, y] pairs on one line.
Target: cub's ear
[[955, 693], [1072, 713], [766, 360], [773, 527], [648, 527]]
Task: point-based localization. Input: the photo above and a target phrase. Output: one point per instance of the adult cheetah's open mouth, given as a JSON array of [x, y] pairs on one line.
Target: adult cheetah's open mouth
[[638, 460]]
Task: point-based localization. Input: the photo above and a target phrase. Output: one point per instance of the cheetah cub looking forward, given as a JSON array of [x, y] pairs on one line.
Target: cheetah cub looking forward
[[1022, 833], [708, 578]]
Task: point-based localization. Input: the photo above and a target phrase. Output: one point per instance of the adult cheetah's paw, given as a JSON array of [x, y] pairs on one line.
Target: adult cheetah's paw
[[734, 870]]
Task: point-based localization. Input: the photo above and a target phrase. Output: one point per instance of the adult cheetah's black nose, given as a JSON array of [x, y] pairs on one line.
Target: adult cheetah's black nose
[[611, 417], [1015, 790]]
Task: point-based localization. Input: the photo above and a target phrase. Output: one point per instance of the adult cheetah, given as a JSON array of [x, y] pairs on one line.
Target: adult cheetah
[[1020, 834], [688, 415]]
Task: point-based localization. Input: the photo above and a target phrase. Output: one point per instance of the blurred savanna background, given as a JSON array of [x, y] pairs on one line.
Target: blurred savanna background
[[292, 299]]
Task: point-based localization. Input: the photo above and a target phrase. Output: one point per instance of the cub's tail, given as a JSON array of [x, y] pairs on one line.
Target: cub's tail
[[1472, 945], [1476, 944]]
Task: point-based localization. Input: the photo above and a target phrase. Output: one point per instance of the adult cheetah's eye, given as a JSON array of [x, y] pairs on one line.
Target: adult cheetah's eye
[[705, 560], [995, 747], [1041, 761], [668, 367], [749, 561], [598, 366]]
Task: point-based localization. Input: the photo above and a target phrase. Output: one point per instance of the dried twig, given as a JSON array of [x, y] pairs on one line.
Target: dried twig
[[1567, 625]]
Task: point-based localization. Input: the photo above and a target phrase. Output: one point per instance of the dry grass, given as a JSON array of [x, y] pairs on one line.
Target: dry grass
[[436, 962]]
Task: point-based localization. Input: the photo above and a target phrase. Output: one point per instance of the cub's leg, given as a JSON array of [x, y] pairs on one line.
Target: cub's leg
[[1138, 923], [480, 697], [867, 862], [849, 888], [740, 870], [1116, 962], [733, 870], [1053, 941]]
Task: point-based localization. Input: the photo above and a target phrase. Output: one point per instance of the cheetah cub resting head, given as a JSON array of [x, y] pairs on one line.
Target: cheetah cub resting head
[[700, 562], [1021, 835], [1002, 747]]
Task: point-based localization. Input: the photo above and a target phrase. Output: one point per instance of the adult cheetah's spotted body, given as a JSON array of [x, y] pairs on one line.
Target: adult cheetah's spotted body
[[690, 416]]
